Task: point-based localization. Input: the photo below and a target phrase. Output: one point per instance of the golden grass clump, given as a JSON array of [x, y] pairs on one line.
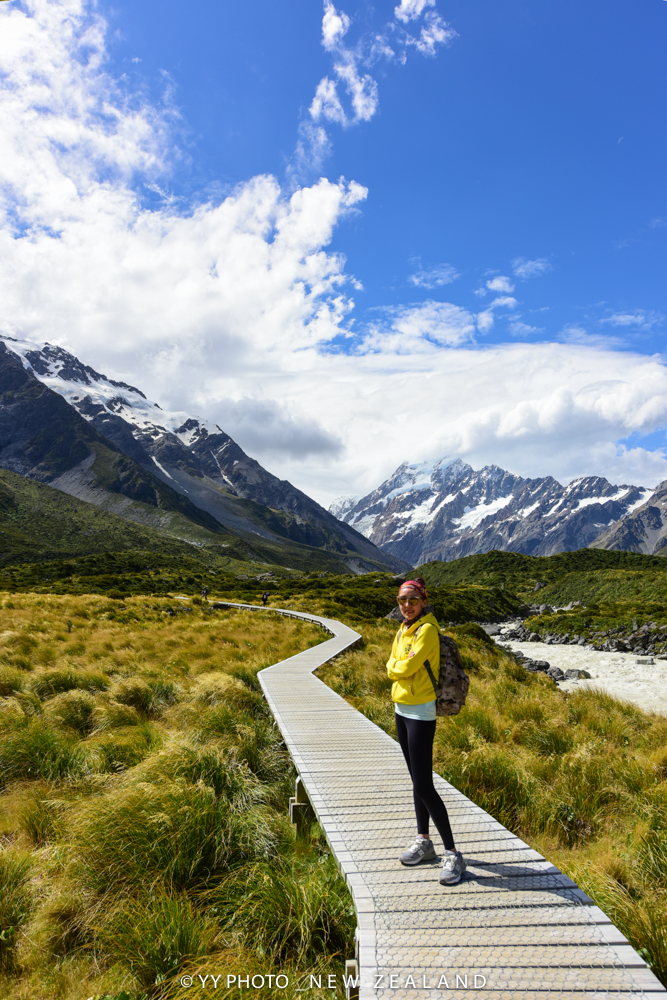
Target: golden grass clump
[[142, 773]]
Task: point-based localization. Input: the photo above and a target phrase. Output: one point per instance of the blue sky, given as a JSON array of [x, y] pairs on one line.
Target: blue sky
[[538, 132], [486, 251]]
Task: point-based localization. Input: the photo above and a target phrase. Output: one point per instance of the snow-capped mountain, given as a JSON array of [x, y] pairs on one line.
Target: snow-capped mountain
[[643, 529], [448, 510], [192, 457], [342, 505]]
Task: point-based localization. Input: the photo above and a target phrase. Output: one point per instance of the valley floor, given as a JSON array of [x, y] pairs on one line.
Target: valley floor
[[619, 674]]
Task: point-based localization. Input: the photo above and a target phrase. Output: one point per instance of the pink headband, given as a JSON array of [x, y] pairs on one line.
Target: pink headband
[[419, 587]]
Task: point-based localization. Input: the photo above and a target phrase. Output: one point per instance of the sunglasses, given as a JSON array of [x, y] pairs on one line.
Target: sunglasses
[[412, 601]]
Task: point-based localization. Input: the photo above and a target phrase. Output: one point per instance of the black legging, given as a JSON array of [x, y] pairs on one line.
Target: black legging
[[416, 739]]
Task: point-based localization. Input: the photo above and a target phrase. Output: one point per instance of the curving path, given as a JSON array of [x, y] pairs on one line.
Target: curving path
[[516, 927]]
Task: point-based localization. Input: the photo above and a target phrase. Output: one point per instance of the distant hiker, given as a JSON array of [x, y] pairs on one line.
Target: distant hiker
[[265, 598], [204, 593], [416, 643]]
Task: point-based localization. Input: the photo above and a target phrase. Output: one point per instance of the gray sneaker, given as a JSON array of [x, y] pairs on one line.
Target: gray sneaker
[[421, 850], [452, 869]]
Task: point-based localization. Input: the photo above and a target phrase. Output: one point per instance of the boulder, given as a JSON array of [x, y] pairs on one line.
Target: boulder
[[555, 673], [575, 674], [534, 637], [536, 666]]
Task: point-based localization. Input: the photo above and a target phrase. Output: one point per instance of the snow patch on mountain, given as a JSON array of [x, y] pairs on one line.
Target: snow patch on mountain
[[473, 516], [76, 382], [342, 505]]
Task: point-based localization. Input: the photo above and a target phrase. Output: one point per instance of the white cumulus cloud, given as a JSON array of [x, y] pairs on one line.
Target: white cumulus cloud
[[409, 10], [500, 284], [326, 103]]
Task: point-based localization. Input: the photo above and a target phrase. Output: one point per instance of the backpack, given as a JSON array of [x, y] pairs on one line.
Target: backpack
[[451, 688]]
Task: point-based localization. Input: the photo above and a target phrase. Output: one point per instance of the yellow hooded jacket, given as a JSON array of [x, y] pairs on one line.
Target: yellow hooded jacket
[[412, 685]]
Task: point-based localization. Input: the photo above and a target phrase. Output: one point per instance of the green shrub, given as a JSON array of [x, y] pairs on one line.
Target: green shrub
[[471, 630], [652, 858], [260, 745]]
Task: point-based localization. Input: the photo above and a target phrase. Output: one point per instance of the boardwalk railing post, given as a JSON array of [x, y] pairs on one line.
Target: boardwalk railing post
[[300, 810], [352, 979]]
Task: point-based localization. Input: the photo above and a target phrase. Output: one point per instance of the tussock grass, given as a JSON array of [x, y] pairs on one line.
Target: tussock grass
[[290, 910], [15, 903], [141, 771], [581, 777]]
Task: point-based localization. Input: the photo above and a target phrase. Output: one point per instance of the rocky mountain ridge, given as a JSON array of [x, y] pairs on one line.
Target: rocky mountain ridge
[[446, 510], [103, 441]]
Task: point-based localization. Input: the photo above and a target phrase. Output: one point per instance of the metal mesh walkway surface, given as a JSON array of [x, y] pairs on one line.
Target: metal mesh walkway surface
[[514, 927]]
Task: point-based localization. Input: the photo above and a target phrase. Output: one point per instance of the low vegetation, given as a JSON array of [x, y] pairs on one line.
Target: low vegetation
[[143, 827], [617, 592], [143, 813], [120, 575], [585, 569], [581, 777]]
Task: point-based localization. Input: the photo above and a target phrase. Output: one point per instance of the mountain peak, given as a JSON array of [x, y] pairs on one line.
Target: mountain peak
[[447, 509], [191, 462]]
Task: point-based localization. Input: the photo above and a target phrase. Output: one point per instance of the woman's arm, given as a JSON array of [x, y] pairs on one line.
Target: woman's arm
[[425, 647]]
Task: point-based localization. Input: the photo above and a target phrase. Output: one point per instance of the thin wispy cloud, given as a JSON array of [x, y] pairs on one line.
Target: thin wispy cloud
[[520, 329], [433, 277], [522, 267], [642, 320], [572, 333]]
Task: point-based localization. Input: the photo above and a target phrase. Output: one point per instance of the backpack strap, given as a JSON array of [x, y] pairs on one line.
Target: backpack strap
[[430, 674]]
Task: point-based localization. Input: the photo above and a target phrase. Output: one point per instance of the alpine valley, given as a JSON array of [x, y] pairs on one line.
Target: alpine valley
[[446, 510], [68, 427]]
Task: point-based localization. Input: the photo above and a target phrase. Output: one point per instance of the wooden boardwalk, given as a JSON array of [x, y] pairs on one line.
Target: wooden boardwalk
[[515, 927]]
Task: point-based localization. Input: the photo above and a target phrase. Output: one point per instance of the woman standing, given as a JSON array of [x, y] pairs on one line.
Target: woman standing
[[414, 702]]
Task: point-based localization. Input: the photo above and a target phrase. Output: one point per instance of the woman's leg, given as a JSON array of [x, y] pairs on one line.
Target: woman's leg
[[417, 746], [421, 812]]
